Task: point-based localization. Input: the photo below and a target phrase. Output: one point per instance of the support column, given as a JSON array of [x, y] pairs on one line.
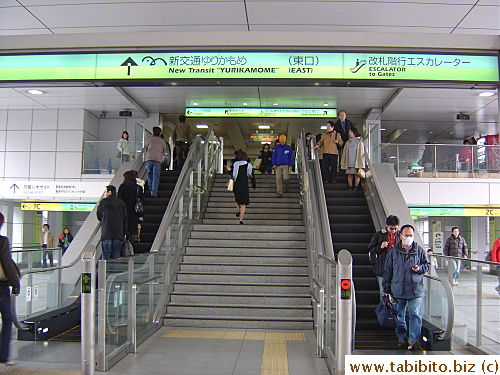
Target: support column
[[372, 125]]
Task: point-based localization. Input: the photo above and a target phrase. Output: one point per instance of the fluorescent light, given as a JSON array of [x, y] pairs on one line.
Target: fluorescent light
[[486, 93], [245, 103], [325, 104], [202, 126], [275, 103], [323, 127], [36, 92], [264, 127], [382, 129], [195, 103], [265, 142], [392, 157]]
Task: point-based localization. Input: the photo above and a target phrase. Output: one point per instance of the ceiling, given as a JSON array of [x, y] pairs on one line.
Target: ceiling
[[425, 114], [23, 17]]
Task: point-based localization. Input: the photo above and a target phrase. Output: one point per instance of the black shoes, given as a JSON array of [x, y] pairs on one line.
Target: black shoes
[[413, 344]]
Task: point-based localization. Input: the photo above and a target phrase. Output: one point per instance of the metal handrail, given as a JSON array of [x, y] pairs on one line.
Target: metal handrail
[[185, 184], [321, 204], [170, 212]]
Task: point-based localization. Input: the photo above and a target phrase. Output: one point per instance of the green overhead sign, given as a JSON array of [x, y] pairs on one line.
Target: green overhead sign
[[241, 65], [262, 112], [455, 211]]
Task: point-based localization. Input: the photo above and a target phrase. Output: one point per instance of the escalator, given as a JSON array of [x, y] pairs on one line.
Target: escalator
[[352, 228], [154, 209]]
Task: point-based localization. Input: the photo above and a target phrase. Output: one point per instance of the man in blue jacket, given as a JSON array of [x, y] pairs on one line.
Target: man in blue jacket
[[282, 161], [405, 265]]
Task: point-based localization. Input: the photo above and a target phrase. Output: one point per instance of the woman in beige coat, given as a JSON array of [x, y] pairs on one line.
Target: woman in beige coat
[[353, 158], [330, 142]]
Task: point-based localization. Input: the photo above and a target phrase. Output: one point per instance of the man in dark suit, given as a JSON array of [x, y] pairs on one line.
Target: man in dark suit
[[342, 126]]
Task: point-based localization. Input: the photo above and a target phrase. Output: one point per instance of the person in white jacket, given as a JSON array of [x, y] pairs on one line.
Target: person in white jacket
[[124, 147]]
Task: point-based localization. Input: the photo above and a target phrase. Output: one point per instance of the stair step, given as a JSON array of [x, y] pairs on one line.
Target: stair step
[[253, 221], [247, 235], [268, 198], [249, 322], [231, 287], [239, 310], [248, 277], [251, 208], [241, 298], [252, 251], [252, 242], [243, 268], [246, 259], [249, 227], [249, 214]]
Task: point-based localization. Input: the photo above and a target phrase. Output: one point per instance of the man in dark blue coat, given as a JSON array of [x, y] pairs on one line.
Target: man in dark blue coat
[[282, 161], [405, 266]]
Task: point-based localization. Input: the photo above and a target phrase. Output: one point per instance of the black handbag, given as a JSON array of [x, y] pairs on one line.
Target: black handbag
[[387, 313], [139, 206]]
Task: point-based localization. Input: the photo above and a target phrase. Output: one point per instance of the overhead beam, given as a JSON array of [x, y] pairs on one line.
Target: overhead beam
[[132, 101]]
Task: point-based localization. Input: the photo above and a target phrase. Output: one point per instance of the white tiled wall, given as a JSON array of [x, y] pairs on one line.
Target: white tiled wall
[[3, 120], [47, 144], [44, 144]]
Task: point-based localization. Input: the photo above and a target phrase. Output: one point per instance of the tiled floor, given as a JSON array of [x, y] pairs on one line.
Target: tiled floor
[[172, 351]]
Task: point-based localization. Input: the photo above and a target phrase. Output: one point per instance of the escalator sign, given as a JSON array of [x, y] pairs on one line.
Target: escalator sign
[[345, 289], [86, 284]]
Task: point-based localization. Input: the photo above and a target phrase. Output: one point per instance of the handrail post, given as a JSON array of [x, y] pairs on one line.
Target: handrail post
[[88, 311], [479, 304], [220, 164], [320, 314], [59, 277], [132, 308], [101, 322], [344, 309]]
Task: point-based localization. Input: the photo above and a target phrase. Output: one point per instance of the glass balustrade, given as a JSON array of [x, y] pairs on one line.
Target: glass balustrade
[[441, 160], [477, 302], [41, 289]]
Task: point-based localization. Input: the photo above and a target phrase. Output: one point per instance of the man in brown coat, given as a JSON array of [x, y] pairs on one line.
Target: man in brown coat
[[330, 143]]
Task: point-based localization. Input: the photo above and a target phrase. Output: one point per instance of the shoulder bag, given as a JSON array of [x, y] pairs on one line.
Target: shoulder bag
[[139, 207], [361, 173], [127, 249], [386, 313]]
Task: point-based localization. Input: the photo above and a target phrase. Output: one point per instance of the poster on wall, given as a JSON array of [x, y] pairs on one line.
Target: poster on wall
[[437, 243]]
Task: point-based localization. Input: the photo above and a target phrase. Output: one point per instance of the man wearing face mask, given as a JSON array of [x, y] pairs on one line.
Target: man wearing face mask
[[405, 265]]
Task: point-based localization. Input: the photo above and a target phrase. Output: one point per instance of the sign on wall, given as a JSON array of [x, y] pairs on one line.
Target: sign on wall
[[23, 189], [455, 211], [242, 65], [57, 206]]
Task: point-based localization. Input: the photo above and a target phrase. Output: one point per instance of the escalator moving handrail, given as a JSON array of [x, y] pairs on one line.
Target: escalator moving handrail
[[450, 320], [91, 237]]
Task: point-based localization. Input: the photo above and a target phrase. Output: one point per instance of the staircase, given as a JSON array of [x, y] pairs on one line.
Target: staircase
[[352, 228], [245, 276], [154, 209]]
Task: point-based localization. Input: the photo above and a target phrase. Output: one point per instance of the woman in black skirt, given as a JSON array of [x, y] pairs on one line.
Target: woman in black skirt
[[128, 192], [240, 172]]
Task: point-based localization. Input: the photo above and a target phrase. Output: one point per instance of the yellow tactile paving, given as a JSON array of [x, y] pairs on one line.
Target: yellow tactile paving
[[295, 336], [255, 336], [231, 335], [274, 358]]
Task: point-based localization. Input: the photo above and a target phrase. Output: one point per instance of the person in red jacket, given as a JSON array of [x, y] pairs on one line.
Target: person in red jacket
[[495, 257]]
